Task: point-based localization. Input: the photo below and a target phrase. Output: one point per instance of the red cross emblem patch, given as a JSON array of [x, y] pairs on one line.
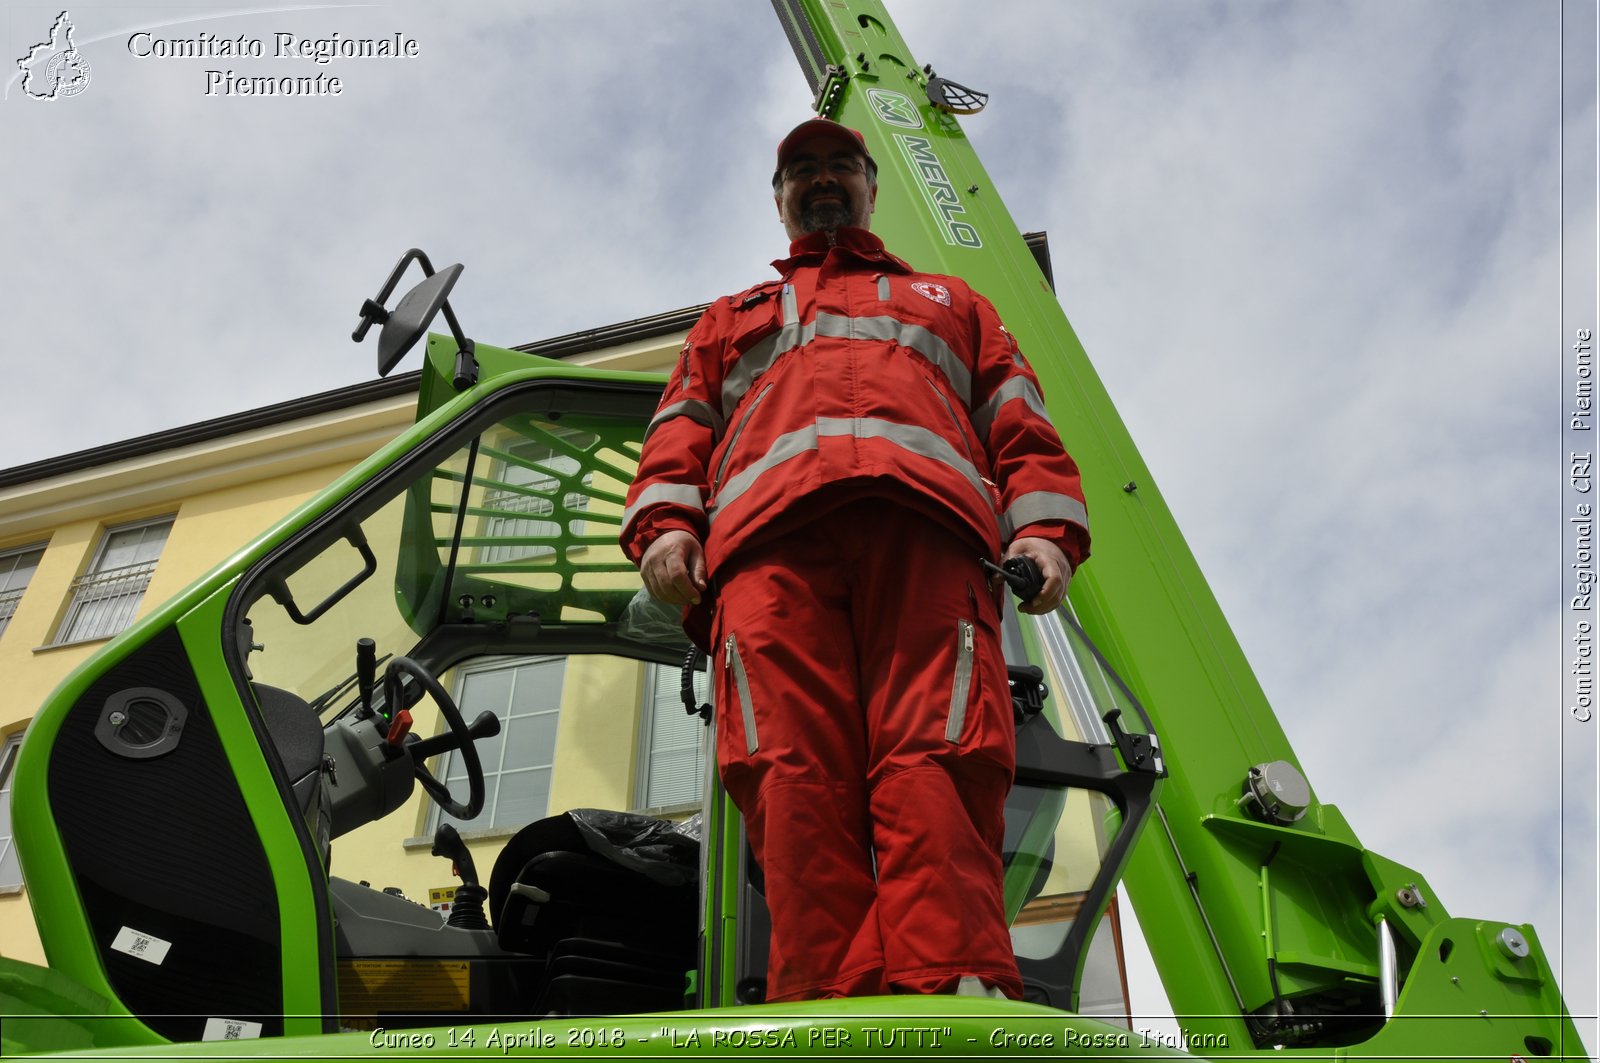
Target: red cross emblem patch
[[928, 290]]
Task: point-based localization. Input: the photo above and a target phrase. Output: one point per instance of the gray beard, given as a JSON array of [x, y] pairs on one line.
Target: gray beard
[[824, 217]]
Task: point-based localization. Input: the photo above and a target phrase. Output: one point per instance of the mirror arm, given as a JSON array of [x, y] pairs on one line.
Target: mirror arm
[[408, 321], [373, 311]]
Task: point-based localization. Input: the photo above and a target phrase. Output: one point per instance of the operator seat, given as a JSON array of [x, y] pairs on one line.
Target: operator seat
[[296, 732], [613, 938]]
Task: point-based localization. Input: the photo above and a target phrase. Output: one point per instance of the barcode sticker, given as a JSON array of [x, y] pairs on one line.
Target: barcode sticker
[[143, 946], [230, 1030]]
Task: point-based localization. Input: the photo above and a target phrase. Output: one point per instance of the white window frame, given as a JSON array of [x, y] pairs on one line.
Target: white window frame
[[10, 882], [649, 792], [495, 775], [117, 591], [11, 592]]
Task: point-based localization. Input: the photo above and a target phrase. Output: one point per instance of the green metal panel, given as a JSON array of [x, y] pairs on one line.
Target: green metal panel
[[70, 946], [543, 464], [307, 980], [1237, 912]]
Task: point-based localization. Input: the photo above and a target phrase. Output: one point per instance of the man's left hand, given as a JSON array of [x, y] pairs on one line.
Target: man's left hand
[[1053, 566]]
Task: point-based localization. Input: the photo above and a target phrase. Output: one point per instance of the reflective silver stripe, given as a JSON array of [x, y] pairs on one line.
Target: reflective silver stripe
[[893, 330], [759, 359], [676, 494], [883, 287], [1018, 387], [963, 682], [741, 683], [1036, 506], [695, 410], [791, 309], [914, 438], [793, 335], [785, 447]]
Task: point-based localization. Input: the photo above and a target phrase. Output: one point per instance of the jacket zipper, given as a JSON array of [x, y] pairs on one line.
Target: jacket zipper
[[951, 410], [741, 683], [727, 455], [965, 646]]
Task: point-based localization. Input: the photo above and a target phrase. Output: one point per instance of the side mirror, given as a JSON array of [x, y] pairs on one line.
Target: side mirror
[[408, 322]]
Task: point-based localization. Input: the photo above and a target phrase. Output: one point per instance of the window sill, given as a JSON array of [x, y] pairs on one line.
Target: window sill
[[482, 834], [72, 645], [673, 812]]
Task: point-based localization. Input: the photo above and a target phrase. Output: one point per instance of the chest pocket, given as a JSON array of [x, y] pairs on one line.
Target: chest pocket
[[756, 338], [756, 317]]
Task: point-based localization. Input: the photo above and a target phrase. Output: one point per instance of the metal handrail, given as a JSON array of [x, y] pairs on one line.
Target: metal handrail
[[104, 601]]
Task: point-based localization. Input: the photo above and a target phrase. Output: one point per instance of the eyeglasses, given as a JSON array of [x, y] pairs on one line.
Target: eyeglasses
[[839, 166]]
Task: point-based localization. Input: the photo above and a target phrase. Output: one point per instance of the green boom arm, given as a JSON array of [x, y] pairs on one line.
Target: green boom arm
[[1267, 930]]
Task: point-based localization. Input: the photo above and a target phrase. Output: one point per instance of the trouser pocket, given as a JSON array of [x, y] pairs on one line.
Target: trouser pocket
[[961, 685], [741, 685]]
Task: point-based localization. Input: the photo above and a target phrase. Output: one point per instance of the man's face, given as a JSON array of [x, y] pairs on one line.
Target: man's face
[[824, 187]]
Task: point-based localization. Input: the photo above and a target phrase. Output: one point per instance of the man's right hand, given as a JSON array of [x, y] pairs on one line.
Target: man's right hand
[[674, 569]]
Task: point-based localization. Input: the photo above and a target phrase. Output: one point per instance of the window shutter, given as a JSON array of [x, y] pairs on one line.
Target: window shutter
[[675, 761]]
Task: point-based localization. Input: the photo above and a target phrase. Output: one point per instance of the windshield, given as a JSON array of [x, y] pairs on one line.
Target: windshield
[[508, 526]]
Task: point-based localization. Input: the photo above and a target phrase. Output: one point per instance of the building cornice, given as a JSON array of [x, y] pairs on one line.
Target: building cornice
[[589, 342], [190, 463], [219, 427]]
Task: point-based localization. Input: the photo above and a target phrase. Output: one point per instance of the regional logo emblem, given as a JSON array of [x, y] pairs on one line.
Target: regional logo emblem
[[54, 69]]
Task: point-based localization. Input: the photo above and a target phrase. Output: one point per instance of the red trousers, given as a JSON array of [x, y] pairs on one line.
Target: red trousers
[[864, 730]]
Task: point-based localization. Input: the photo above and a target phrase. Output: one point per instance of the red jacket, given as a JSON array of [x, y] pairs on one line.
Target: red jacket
[[852, 375]]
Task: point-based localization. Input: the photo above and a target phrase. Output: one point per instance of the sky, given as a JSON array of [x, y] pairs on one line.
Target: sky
[[1314, 250]]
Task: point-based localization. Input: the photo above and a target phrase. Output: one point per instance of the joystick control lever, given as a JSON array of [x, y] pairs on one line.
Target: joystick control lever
[[366, 673], [466, 911]]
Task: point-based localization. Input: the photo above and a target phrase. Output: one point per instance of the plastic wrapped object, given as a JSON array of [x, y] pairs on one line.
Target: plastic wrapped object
[[648, 620], [656, 848]]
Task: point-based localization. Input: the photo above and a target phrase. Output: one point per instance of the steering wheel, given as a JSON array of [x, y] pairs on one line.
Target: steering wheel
[[463, 740]]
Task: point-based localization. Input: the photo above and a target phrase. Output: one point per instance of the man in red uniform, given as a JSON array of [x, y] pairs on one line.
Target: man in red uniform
[[834, 454]]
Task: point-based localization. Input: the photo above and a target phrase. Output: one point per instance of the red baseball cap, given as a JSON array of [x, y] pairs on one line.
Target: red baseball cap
[[820, 127]]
